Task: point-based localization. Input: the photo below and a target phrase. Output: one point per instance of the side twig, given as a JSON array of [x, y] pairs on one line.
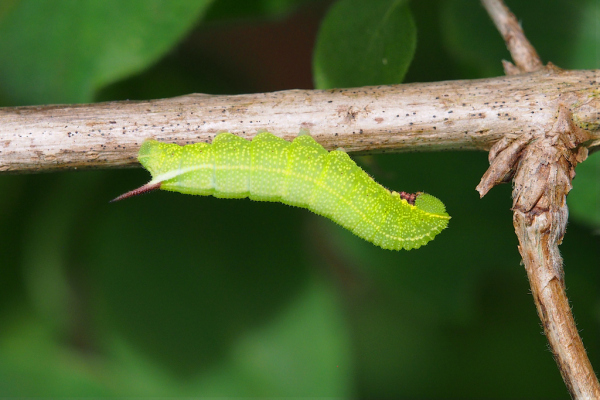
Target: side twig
[[542, 166], [521, 51]]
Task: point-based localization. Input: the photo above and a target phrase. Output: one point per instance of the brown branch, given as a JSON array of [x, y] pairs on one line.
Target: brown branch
[[542, 166], [467, 115], [522, 52], [541, 184]]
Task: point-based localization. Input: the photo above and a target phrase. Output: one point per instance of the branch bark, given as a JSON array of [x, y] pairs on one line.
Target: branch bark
[[543, 171], [542, 166], [521, 51], [452, 115]]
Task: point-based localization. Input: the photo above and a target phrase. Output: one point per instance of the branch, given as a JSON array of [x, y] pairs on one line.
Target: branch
[[542, 166], [452, 115], [522, 52], [542, 182]]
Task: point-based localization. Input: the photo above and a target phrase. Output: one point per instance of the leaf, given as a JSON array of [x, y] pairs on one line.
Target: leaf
[[302, 350], [55, 51], [470, 35], [586, 49], [203, 272], [364, 43]]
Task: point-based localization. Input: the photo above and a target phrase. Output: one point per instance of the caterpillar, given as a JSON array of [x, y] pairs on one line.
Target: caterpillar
[[300, 173]]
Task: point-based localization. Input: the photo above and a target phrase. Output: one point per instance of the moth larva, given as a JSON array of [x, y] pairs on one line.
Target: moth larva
[[299, 173]]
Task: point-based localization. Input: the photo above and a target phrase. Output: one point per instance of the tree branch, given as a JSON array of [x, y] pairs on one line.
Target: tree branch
[[452, 115], [541, 184], [542, 166], [522, 52]]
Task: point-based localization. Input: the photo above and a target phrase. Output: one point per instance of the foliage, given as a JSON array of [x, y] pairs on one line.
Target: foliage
[[364, 43], [172, 295]]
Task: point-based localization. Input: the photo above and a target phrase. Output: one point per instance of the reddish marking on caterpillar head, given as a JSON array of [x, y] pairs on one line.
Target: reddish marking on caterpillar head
[[409, 197], [135, 192]]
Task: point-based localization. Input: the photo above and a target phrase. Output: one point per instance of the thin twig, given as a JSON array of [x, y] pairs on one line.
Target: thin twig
[[453, 115], [521, 51], [542, 166]]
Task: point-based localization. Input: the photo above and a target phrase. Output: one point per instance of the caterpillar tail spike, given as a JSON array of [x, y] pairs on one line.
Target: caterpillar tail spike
[[147, 188]]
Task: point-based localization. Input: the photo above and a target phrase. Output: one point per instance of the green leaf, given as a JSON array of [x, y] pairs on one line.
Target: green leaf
[[586, 49], [364, 43], [303, 350], [470, 35], [63, 51]]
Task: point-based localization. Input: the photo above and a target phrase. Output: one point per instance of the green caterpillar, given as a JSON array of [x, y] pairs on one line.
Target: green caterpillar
[[299, 173]]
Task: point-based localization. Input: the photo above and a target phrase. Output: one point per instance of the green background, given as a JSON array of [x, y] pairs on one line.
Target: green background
[[173, 295]]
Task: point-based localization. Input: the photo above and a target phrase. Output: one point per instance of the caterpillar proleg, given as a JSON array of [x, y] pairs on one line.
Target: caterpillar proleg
[[300, 173]]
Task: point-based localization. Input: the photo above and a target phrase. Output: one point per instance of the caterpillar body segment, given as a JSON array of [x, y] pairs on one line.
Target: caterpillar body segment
[[299, 173]]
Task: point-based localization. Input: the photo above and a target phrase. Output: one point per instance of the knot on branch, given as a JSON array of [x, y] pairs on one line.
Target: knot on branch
[[542, 166], [546, 166]]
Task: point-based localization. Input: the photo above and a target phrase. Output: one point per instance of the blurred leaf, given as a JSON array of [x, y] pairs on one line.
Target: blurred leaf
[[586, 46], [471, 37], [178, 74], [54, 51], [214, 292], [304, 350], [303, 353], [364, 43], [584, 199], [432, 61], [119, 252], [234, 262]]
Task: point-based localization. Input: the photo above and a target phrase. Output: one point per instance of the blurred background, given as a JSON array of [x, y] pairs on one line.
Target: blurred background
[[174, 295]]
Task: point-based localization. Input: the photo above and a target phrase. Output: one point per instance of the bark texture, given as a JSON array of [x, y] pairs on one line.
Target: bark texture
[[542, 166], [541, 184], [451, 115]]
